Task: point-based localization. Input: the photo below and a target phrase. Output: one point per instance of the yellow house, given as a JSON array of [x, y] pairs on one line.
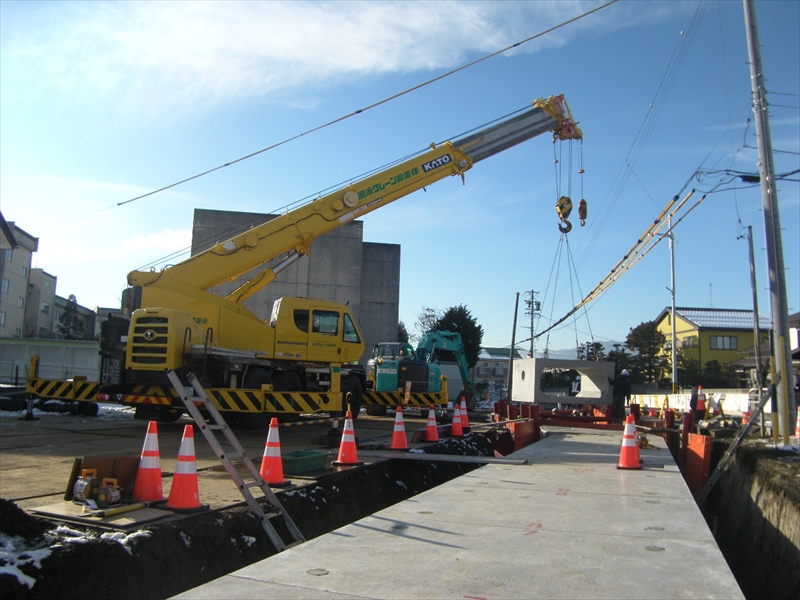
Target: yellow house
[[706, 334]]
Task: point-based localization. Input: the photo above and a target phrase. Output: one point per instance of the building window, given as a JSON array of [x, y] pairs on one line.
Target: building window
[[46, 283], [24, 271], [5, 285], [45, 308], [9, 254], [2, 318], [18, 332], [21, 302], [43, 333], [724, 342]]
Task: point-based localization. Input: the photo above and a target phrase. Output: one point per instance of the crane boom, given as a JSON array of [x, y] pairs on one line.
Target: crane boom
[[293, 232]]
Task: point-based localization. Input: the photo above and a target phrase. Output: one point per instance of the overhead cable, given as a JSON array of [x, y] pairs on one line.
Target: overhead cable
[[374, 105]]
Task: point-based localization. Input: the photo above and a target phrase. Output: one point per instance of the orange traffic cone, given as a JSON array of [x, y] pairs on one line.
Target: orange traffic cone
[[148, 486], [184, 493], [629, 454], [271, 463], [347, 449], [455, 426], [464, 416], [399, 441], [431, 431]]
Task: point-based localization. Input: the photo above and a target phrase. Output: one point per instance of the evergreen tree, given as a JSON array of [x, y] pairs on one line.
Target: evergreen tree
[[648, 341], [458, 319], [591, 351], [70, 323], [402, 334]]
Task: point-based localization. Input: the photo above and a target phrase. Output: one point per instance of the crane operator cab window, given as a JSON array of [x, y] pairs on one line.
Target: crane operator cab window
[[350, 334], [325, 322]]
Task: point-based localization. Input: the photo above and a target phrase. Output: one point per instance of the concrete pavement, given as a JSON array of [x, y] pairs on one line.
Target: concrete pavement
[[566, 525]]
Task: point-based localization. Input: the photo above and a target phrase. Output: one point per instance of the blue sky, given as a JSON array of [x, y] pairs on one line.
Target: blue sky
[[101, 102]]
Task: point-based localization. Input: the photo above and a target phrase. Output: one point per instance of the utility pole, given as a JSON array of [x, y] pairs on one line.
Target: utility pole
[[756, 328], [672, 318], [532, 308], [511, 351], [782, 360]]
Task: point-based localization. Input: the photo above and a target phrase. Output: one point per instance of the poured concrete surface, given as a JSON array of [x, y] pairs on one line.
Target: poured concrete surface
[[566, 525]]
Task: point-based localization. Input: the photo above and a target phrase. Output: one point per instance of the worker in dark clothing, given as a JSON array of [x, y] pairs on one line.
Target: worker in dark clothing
[[621, 394]]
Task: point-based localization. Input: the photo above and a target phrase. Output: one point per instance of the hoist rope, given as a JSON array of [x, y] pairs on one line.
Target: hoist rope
[[649, 240]]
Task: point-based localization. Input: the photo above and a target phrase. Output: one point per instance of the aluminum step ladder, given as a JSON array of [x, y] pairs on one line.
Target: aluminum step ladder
[[216, 425]]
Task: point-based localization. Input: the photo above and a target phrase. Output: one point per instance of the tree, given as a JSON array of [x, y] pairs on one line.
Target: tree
[[70, 323], [620, 358], [648, 341], [459, 320], [426, 321], [402, 334], [591, 351]]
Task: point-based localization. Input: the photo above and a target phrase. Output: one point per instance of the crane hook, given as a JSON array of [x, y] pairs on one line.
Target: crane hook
[[582, 210], [563, 209]]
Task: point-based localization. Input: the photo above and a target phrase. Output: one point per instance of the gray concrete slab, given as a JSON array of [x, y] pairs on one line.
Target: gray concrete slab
[[567, 525]]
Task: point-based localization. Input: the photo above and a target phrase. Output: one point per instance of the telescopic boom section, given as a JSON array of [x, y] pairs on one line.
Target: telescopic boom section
[[294, 232]]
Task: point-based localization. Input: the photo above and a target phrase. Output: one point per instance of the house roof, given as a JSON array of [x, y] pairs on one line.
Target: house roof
[[497, 353], [718, 318]]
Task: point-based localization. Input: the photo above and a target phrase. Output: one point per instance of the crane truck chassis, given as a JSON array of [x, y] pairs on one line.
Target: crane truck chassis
[[304, 358]]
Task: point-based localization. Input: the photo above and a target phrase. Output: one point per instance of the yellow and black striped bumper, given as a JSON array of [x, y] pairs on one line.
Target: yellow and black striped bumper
[[244, 401], [57, 389], [398, 399]]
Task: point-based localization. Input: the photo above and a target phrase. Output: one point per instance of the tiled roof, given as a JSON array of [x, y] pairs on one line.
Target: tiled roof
[[721, 318]]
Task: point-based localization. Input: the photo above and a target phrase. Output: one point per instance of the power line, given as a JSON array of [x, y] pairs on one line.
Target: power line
[[371, 106]]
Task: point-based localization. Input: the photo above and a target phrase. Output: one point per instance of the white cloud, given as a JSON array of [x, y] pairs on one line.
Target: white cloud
[[162, 55]]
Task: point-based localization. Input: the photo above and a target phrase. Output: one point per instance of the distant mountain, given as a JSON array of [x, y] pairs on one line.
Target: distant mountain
[[571, 353]]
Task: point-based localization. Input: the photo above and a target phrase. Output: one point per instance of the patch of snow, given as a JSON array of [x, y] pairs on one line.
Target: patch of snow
[[114, 412], [186, 539], [401, 484], [249, 540], [125, 539], [15, 554]]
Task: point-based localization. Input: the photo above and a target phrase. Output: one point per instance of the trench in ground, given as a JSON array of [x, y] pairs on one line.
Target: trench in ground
[[174, 557]]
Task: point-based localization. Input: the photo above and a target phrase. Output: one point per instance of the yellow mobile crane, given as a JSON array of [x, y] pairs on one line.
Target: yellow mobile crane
[[303, 359]]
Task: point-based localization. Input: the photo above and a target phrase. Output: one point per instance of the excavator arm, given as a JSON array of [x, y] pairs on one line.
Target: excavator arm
[[293, 233]]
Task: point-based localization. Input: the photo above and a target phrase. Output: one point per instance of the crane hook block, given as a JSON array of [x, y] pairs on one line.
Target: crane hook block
[[582, 210], [564, 207], [566, 227]]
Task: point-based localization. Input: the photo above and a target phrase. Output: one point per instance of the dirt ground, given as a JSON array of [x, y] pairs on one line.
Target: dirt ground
[[51, 560]]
